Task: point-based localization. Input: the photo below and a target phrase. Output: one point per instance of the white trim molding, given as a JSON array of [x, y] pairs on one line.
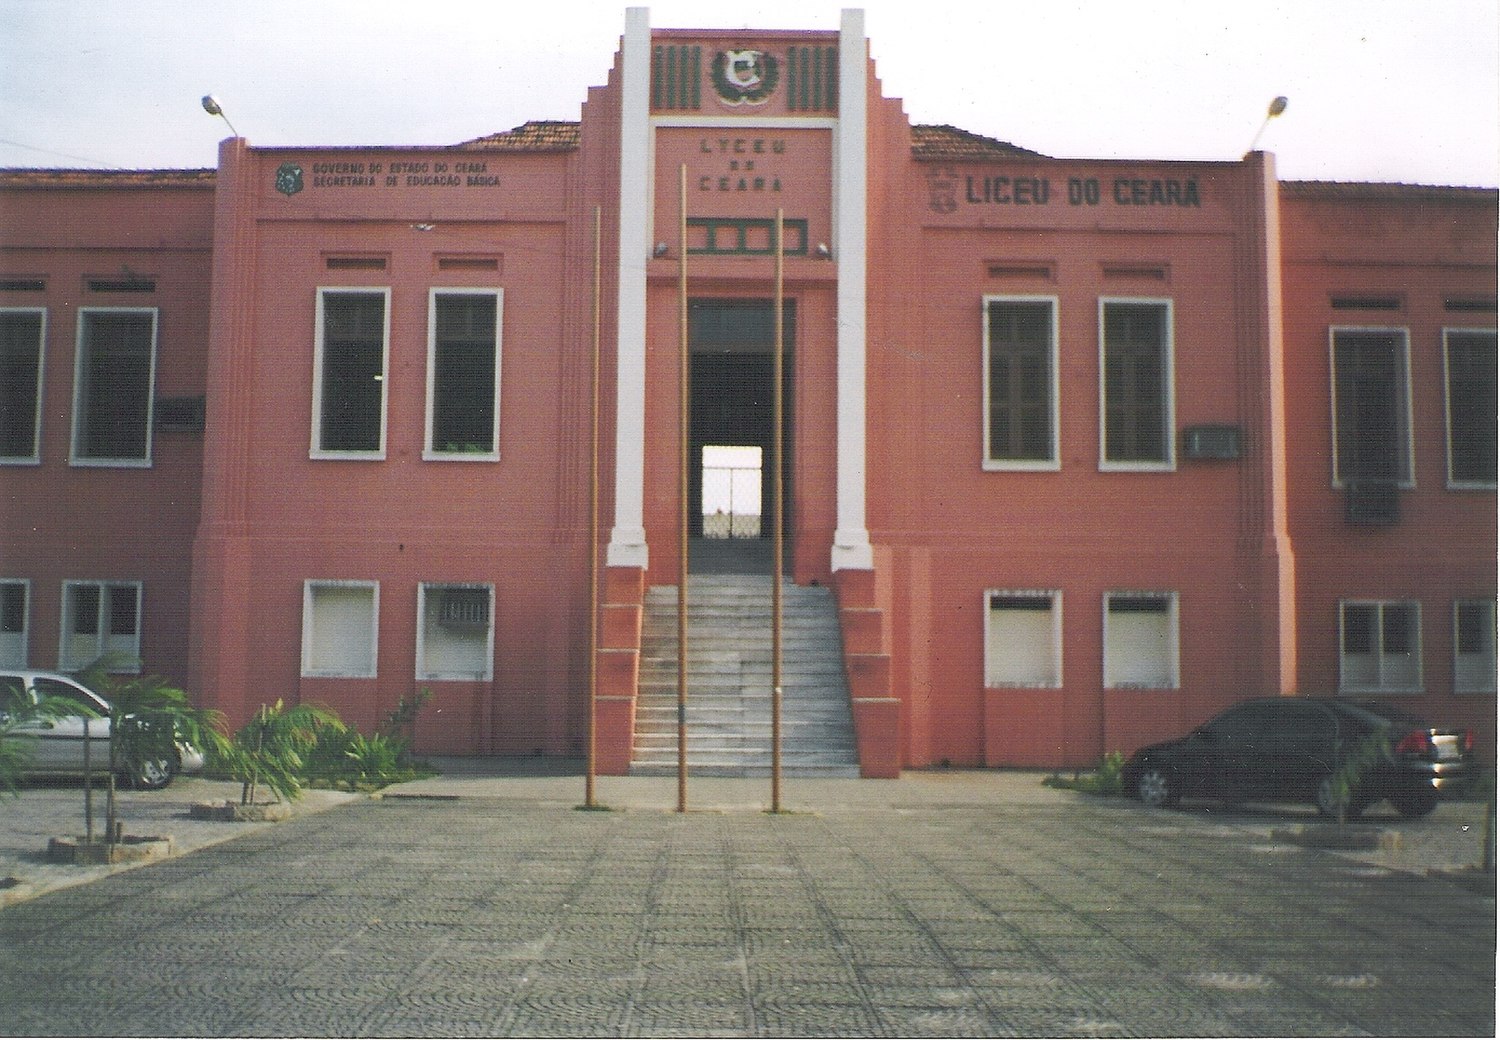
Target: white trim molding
[[851, 538], [627, 539]]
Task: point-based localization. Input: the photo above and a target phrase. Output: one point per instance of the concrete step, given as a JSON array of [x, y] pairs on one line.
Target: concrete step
[[729, 681]]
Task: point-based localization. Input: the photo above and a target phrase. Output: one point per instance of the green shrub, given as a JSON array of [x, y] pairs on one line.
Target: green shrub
[[271, 749], [348, 760], [1103, 780], [399, 725]]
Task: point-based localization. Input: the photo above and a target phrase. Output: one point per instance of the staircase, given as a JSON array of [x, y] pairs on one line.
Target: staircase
[[729, 681]]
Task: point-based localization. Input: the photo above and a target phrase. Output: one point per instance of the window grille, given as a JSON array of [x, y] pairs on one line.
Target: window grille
[[465, 608]]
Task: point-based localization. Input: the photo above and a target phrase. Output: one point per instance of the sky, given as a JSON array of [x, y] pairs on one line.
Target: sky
[[1379, 90]]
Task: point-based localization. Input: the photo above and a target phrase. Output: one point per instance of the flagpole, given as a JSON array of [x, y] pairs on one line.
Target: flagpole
[[778, 535], [682, 494], [588, 784]]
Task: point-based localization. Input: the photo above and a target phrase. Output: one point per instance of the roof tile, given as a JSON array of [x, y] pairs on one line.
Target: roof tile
[[19, 177], [943, 143], [537, 135]]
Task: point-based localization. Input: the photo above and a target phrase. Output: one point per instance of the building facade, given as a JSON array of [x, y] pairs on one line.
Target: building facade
[[1087, 449]]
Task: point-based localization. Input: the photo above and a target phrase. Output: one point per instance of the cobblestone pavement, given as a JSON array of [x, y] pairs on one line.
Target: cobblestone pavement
[[495, 916]]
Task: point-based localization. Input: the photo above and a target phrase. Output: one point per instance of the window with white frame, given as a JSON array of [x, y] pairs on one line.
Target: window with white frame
[[15, 613], [1371, 407], [1469, 362], [1023, 639], [98, 618], [1380, 646], [1135, 365], [463, 374], [1474, 646], [349, 369], [1020, 365], [1140, 640], [455, 631], [340, 629], [113, 386], [23, 331]]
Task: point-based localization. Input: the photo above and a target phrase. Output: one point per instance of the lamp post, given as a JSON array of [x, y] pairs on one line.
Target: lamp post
[[212, 107], [1277, 106]]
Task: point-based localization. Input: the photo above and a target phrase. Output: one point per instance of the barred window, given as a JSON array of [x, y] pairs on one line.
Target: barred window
[[464, 374], [456, 632], [1471, 365], [1137, 378], [1380, 646], [1372, 435], [349, 379], [116, 369], [21, 338], [1020, 347]]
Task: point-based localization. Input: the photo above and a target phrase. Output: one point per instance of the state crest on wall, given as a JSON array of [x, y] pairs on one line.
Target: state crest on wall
[[289, 179], [744, 77]]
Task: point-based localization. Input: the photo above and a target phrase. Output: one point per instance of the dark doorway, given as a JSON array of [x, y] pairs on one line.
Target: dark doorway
[[732, 343]]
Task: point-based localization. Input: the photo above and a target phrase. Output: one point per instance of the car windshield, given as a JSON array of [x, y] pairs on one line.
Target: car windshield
[[1394, 716], [46, 687], [12, 695]]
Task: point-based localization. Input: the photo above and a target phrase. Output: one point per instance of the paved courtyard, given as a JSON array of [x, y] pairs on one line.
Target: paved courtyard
[[922, 907]]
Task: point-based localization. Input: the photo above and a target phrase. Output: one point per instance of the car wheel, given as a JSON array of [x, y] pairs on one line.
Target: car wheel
[[1415, 804], [1329, 801], [154, 775], [1157, 788]]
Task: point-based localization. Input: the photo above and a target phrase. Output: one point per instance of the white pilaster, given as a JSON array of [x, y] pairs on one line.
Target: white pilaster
[[851, 539], [627, 540]]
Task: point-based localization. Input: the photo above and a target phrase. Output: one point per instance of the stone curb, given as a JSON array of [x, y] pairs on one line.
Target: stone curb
[[1332, 836]]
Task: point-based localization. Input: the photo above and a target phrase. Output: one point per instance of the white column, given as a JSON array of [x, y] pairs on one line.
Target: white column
[[627, 540], [851, 539]]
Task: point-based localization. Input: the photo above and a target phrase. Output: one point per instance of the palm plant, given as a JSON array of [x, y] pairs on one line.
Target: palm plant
[[148, 718], [271, 749], [1346, 783]]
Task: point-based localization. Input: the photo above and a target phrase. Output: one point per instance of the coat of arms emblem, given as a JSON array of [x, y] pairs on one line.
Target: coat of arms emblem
[[942, 189], [289, 179], [745, 77]]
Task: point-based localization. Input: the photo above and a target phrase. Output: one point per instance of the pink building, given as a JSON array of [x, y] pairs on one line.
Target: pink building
[[1086, 450]]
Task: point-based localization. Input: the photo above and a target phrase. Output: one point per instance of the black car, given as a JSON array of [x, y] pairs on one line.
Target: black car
[[1291, 748]]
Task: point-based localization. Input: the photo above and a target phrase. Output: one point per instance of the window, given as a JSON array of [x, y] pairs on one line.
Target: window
[[349, 373], [463, 374], [1136, 373], [1380, 647], [1371, 407], [455, 632], [1469, 362], [1020, 364], [100, 618], [22, 333], [1023, 639], [15, 596], [116, 371], [339, 633], [1140, 640], [1474, 646]]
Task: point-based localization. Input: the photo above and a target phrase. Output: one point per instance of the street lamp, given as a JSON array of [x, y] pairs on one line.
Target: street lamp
[[1277, 106], [212, 107]]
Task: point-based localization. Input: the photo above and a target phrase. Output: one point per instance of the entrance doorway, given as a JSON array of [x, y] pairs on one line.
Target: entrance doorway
[[730, 448]]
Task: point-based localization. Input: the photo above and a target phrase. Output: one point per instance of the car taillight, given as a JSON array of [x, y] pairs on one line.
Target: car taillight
[[1468, 741], [1417, 742]]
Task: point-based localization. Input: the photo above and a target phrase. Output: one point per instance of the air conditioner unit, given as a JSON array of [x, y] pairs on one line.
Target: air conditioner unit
[[465, 608], [1213, 441], [1373, 502]]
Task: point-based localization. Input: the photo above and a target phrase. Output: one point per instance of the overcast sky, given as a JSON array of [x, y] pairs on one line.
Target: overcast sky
[[1393, 90]]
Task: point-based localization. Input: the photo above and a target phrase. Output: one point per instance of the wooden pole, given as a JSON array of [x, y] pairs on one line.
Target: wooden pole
[[777, 519], [588, 785], [682, 494]]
